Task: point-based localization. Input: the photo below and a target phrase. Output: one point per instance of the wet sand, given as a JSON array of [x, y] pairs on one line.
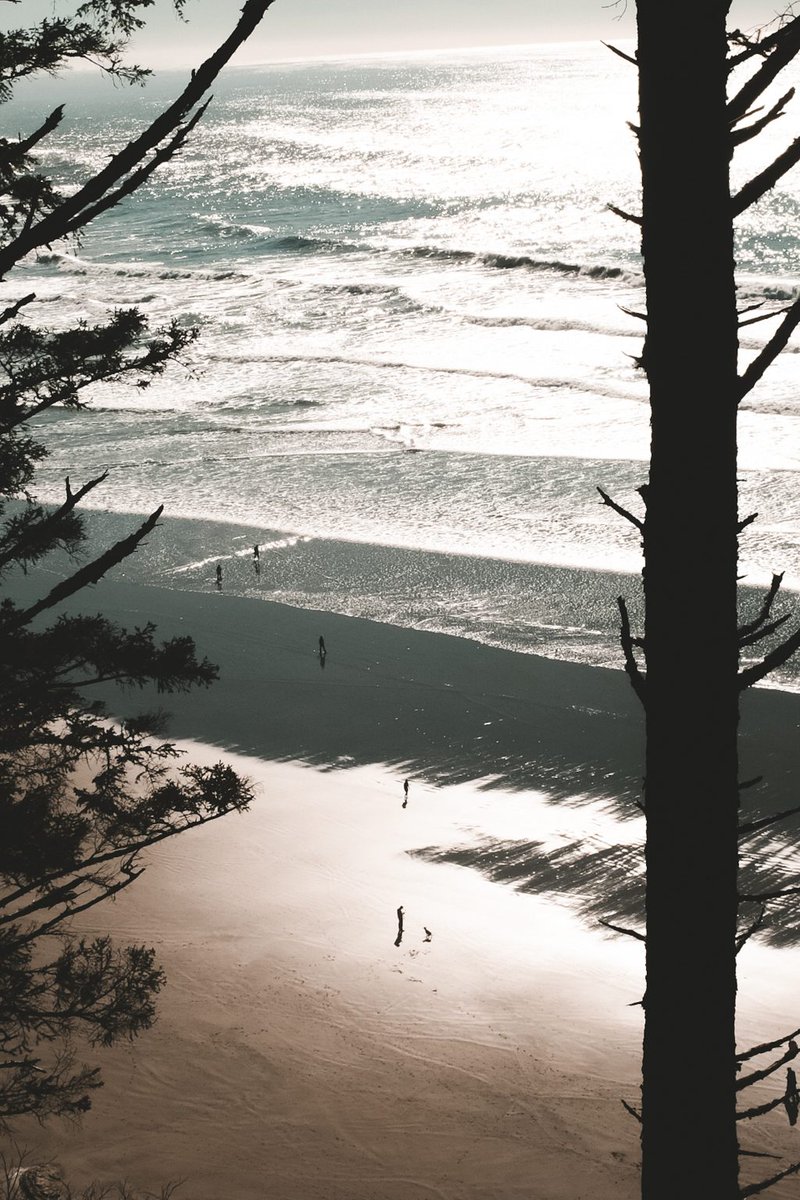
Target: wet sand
[[300, 1053]]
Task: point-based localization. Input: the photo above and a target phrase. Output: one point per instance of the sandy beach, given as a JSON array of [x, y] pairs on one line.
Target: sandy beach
[[300, 1052]]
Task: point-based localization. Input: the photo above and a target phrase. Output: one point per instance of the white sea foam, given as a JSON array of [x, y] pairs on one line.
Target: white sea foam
[[417, 320]]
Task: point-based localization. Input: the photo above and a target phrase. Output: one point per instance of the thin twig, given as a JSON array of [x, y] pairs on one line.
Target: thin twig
[[626, 216], [765, 358], [634, 933], [623, 512], [620, 53]]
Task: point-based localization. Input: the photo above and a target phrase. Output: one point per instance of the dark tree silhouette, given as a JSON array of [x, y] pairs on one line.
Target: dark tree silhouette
[[81, 797], [693, 114]]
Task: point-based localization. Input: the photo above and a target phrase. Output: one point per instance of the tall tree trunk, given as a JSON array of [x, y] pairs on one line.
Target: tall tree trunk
[[689, 1146]]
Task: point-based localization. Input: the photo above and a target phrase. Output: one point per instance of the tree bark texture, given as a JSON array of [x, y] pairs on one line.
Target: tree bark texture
[[689, 1145]]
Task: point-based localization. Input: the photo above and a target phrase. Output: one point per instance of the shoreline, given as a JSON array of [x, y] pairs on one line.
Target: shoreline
[[437, 706], [559, 611]]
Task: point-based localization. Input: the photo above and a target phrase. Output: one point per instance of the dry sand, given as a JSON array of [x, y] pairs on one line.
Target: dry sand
[[299, 1053]]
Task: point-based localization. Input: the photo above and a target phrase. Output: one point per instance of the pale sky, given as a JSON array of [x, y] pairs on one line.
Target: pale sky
[[312, 28]]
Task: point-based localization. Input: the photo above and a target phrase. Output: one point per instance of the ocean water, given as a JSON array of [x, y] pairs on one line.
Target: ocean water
[[414, 365]]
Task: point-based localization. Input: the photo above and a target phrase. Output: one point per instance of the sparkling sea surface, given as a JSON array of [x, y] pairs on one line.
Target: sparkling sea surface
[[415, 365]]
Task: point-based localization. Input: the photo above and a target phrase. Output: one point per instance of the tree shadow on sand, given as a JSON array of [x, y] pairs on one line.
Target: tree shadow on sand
[[606, 883]]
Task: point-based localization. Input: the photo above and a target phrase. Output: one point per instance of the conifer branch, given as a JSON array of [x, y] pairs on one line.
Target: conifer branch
[[742, 525], [634, 1112], [139, 177], [67, 215], [110, 890]]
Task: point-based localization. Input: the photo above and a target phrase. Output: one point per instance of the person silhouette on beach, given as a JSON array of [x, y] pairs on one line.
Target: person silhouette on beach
[[399, 937], [256, 560], [405, 792], [255, 553], [322, 650], [219, 575], [428, 934]]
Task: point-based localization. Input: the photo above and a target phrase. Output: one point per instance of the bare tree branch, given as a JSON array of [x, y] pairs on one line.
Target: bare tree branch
[[781, 47], [626, 216], [765, 1047], [755, 1188], [776, 658], [744, 937], [776, 895], [765, 610], [16, 550], [8, 313], [790, 1053], [750, 131], [751, 638], [766, 179], [87, 575], [765, 822], [630, 312], [775, 312], [634, 933], [623, 512], [773, 348], [638, 680], [620, 53], [48, 125]]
